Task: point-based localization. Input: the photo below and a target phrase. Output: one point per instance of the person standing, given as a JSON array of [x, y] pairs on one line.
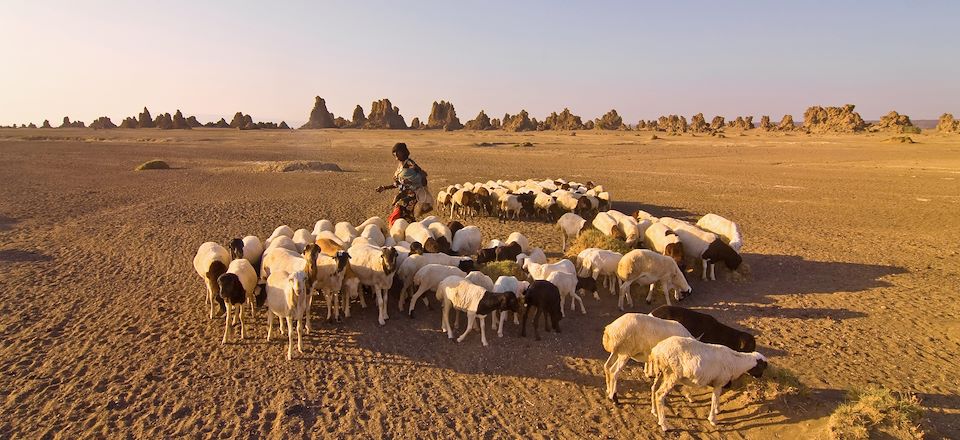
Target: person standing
[[413, 198]]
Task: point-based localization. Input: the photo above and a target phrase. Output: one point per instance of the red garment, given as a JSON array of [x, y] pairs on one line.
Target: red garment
[[396, 214]]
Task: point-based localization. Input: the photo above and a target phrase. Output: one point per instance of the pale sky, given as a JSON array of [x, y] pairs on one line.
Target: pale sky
[[645, 59]]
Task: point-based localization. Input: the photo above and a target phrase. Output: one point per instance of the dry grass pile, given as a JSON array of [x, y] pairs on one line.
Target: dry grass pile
[[777, 383], [592, 238], [875, 412], [295, 165], [155, 164], [496, 269], [900, 140]]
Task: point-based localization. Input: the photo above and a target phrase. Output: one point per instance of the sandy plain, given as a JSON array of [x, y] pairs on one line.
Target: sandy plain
[[854, 246]]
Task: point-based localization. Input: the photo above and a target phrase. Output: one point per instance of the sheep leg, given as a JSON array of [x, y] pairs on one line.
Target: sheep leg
[[614, 372], [386, 296], [380, 306], [503, 317], [516, 318], [624, 293], [483, 331], [471, 318], [665, 387], [413, 300], [536, 323], [666, 292], [577, 298], [226, 327], [269, 325], [563, 241], [299, 339], [336, 306], [713, 271], [309, 307], [289, 338], [346, 303], [562, 313], [607, 367], [650, 294], [329, 300], [445, 320], [715, 405], [653, 394], [523, 322], [243, 333]]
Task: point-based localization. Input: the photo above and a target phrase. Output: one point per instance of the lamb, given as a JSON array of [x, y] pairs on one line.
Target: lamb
[[301, 238], [428, 278], [399, 229], [516, 237], [648, 267], [444, 199], [632, 336], [707, 329], [727, 230], [373, 234], [462, 199], [287, 298], [608, 226], [210, 262], [540, 271], [662, 239], [237, 285], [545, 297], [600, 264], [375, 267], [570, 225], [707, 247], [458, 293], [466, 241], [536, 255], [249, 248], [322, 225], [686, 361], [345, 232]]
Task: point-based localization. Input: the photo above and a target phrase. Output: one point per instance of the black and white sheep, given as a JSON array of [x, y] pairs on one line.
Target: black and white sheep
[[237, 285], [706, 328], [545, 298], [210, 262], [707, 247], [727, 230], [460, 294]]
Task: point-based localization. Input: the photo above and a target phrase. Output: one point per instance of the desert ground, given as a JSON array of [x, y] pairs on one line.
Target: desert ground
[[853, 245]]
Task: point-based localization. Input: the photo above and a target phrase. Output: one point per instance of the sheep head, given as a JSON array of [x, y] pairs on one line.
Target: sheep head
[[343, 260], [236, 248], [757, 370], [388, 259]]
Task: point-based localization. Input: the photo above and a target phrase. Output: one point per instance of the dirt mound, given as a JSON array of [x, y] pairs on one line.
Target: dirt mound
[[833, 120], [894, 122], [145, 121], [672, 124], [946, 124], [610, 121], [786, 124], [481, 122], [565, 120], [698, 124], [67, 124], [102, 123], [295, 165], [717, 123], [519, 122], [155, 164], [416, 124], [443, 116], [319, 116]]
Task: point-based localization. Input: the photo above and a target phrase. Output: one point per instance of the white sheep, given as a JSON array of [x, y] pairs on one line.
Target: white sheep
[[729, 231], [210, 262], [494, 243], [570, 226], [438, 230], [381, 224], [568, 282], [480, 279], [708, 248], [509, 205], [413, 263], [644, 215], [467, 241], [249, 248], [536, 255], [462, 199], [326, 274], [516, 237], [632, 336], [373, 234], [417, 232], [322, 225], [287, 298], [281, 231], [375, 267], [679, 360], [629, 225], [280, 259], [399, 229], [460, 294], [428, 278], [648, 267], [282, 242], [601, 265], [609, 226], [567, 285], [301, 238], [330, 236], [661, 238]]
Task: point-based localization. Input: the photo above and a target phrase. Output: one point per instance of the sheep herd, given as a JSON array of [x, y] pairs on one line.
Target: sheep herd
[[407, 260]]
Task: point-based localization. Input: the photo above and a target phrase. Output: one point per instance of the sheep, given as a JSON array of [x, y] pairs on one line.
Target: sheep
[[399, 229], [301, 238], [480, 279], [628, 225], [379, 222], [545, 297], [428, 278], [444, 199], [322, 225], [442, 234], [287, 298], [417, 232], [604, 198], [648, 267], [210, 262], [345, 232], [507, 283], [280, 259], [632, 336], [462, 295], [570, 225], [427, 221], [327, 235], [608, 226], [249, 248], [706, 328], [281, 231], [375, 267], [600, 263], [644, 215], [508, 252], [661, 238], [237, 285], [509, 205], [373, 234], [516, 237], [466, 241], [413, 263], [567, 283], [544, 204], [282, 242], [708, 248], [536, 255], [540, 271], [462, 199], [329, 247], [727, 230], [493, 244], [686, 361], [325, 274]]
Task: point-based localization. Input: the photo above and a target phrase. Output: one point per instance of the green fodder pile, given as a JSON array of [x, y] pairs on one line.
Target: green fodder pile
[[875, 412], [495, 269], [155, 164], [592, 238]]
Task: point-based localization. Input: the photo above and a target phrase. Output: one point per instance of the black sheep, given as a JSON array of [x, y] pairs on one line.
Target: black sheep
[[546, 298], [707, 329]]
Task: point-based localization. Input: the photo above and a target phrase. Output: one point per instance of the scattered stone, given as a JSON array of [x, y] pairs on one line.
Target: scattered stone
[[519, 122], [102, 123], [588, 125], [653, 137], [642, 125], [443, 115], [525, 144], [565, 120], [481, 122], [319, 116], [295, 165], [610, 121], [153, 165], [833, 120], [146, 121], [946, 124]]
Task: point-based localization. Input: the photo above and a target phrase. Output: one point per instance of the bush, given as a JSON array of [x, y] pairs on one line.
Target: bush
[[155, 164], [592, 238], [875, 409], [495, 269]]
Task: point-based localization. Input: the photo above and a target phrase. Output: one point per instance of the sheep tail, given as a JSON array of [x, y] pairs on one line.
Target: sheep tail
[[607, 342]]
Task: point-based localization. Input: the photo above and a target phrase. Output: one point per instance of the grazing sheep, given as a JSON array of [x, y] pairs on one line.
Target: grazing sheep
[[237, 285], [686, 361], [570, 225], [301, 238], [345, 232], [727, 230], [661, 238], [545, 297], [516, 237], [287, 298], [509, 206], [648, 267], [322, 225], [707, 329], [444, 200], [462, 199], [399, 229], [601, 265], [540, 271], [414, 263], [628, 225], [536, 255], [428, 278], [508, 252], [506, 283], [379, 222], [373, 234], [644, 215], [632, 336], [417, 232], [442, 235], [567, 283], [544, 205], [608, 226], [281, 242], [375, 268], [210, 262], [494, 243], [708, 248], [466, 241], [477, 302], [249, 248]]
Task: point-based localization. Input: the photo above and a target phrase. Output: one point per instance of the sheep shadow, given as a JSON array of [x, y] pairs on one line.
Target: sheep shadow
[[6, 223], [22, 256], [628, 207]]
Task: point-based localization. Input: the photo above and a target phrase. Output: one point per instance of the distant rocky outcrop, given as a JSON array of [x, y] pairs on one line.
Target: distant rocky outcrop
[[129, 122], [102, 123], [384, 115], [481, 122], [241, 120], [67, 124], [416, 124], [319, 116], [642, 125], [283, 125], [741, 123], [193, 122], [46, 124], [518, 122], [145, 121], [163, 121], [717, 123], [179, 122], [589, 125], [765, 124], [609, 121], [495, 123], [443, 116], [946, 124], [32, 125], [894, 122], [833, 120], [672, 124], [222, 123], [786, 124], [698, 124], [358, 120], [339, 122], [564, 120]]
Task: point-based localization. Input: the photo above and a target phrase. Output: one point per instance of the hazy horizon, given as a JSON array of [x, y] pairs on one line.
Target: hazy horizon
[[104, 58]]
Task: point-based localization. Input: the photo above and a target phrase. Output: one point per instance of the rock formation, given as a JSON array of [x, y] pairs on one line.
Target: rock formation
[[642, 125], [765, 124], [46, 124], [32, 125], [193, 122], [359, 120], [495, 124], [565, 120], [164, 121], [671, 124], [319, 116], [67, 124], [894, 122], [716, 123], [222, 123], [384, 115], [283, 125], [179, 122], [786, 124], [341, 123], [416, 125], [741, 123], [443, 115], [102, 123], [481, 122], [589, 125], [145, 121], [833, 120], [610, 121], [698, 124], [519, 122], [947, 124], [129, 122]]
